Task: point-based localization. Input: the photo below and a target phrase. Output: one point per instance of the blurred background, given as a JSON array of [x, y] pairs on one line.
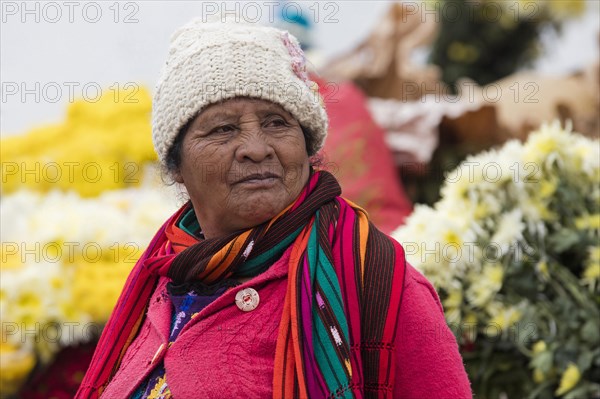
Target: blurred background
[[467, 129], [44, 43]]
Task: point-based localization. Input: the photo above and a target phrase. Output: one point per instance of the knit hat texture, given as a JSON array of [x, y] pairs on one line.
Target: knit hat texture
[[209, 62]]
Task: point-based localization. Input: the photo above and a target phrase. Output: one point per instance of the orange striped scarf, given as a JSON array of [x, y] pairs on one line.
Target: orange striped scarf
[[341, 307]]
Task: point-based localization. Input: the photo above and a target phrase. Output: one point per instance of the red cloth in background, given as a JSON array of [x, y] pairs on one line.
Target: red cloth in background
[[356, 153], [61, 379]]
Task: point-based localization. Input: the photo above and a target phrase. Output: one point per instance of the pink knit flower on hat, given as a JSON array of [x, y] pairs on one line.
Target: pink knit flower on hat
[[298, 59]]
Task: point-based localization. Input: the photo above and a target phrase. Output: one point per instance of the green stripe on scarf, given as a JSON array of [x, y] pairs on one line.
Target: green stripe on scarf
[[323, 274], [327, 357], [251, 266]]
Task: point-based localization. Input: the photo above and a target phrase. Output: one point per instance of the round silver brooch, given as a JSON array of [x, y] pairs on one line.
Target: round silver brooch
[[247, 299]]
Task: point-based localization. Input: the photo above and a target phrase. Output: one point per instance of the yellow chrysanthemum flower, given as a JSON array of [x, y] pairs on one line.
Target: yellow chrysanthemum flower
[[100, 146], [15, 366], [568, 380], [542, 269], [591, 273], [469, 325], [11, 257], [462, 52], [547, 188], [544, 145], [588, 222], [539, 347], [502, 317], [454, 299], [564, 9], [495, 273], [485, 284], [104, 279], [538, 376]]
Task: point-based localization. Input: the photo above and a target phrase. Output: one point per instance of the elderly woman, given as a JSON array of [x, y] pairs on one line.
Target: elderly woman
[[266, 283]]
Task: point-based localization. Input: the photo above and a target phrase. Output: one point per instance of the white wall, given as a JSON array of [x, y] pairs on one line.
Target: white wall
[[58, 45]]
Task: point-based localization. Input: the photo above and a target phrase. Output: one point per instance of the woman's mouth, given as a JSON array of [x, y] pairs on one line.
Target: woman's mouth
[[259, 180]]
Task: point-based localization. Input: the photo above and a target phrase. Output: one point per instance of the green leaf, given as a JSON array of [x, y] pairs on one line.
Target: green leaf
[[590, 333], [577, 393], [563, 240], [585, 361], [543, 361]]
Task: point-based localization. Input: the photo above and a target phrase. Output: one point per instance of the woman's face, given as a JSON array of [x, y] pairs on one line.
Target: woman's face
[[242, 162]]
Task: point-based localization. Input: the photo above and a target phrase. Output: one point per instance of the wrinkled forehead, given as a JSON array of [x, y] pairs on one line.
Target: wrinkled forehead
[[240, 105]]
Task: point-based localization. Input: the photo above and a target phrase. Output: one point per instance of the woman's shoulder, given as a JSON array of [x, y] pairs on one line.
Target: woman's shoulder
[[419, 294], [415, 287], [426, 348], [418, 289]]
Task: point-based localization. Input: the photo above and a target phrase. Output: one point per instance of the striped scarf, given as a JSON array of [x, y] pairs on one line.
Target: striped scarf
[[341, 307]]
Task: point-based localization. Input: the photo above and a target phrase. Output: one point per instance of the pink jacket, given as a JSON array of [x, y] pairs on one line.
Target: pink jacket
[[226, 353]]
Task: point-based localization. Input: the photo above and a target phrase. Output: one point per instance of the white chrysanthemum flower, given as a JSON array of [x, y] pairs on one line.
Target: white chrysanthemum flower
[[508, 231], [502, 317], [548, 145], [36, 285], [485, 285]]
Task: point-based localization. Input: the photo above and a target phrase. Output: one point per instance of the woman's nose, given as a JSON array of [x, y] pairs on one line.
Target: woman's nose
[[254, 146]]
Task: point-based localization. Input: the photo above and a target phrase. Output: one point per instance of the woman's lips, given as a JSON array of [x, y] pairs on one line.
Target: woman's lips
[[265, 180]]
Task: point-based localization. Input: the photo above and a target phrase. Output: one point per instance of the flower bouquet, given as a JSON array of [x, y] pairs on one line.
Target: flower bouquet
[[79, 205], [512, 248]]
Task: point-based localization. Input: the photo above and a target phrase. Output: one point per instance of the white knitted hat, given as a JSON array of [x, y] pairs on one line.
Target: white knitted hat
[[211, 62]]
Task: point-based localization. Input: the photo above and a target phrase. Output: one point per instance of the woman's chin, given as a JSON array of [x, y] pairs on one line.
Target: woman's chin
[[261, 213], [256, 218]]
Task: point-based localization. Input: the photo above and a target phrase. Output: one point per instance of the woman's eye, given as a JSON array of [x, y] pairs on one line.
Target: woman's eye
[[275, 122], [223, 129]]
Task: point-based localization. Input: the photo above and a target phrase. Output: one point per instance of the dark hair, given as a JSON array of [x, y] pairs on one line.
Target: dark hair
[[173, 159]]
